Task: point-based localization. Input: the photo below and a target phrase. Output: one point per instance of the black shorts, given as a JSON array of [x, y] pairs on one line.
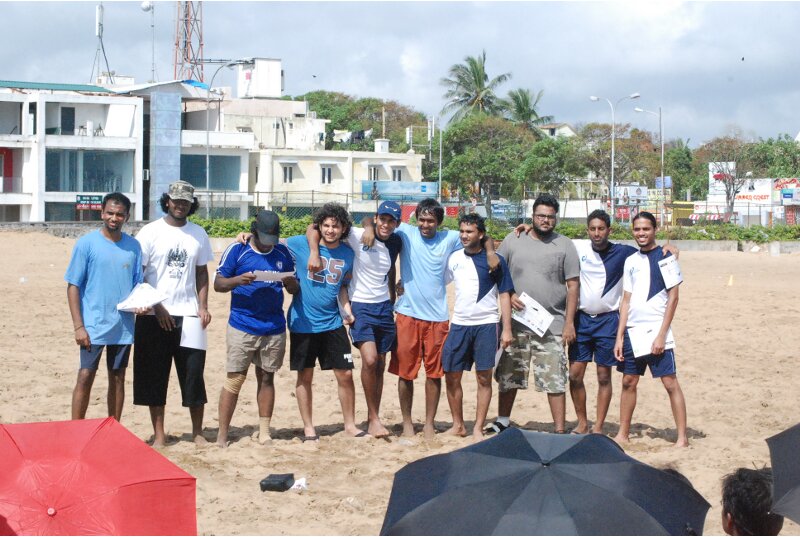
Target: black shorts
[[331, 347], [153, 351]]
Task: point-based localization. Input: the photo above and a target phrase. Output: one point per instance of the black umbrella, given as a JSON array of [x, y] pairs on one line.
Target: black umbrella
[[784, 451], [529, 483]]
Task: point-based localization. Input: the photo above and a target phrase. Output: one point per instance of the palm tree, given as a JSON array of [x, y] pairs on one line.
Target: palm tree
[[469, 89], [520, 107]]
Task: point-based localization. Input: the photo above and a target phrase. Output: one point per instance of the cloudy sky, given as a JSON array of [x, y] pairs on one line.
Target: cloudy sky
[[711, 66]]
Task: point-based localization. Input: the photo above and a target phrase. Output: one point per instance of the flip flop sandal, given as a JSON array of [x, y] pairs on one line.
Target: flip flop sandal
[[495, 428]]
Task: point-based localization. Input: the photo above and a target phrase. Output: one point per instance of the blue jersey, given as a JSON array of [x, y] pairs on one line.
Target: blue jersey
[[256, 308], [315, 309], [476, 288], [422, 266], [105, 272], [601, 276]]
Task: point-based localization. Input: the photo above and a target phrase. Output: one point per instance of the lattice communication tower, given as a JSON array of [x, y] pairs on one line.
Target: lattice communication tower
[[189, 41]]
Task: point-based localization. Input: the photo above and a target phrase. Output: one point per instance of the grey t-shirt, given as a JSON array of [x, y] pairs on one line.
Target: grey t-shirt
[[541, 269]]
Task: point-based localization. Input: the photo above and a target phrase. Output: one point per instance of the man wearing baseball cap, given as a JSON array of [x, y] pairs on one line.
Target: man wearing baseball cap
[[175, 253], [372, 296], [257, 326]]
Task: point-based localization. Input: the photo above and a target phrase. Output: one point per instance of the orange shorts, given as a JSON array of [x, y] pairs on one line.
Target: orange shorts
[[418, 342]]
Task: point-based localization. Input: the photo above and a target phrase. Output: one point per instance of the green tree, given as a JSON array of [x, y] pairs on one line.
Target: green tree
[[361, 114], [550, 163], [521, 108], [723, 150], [485, 151], [678, 165], [777, 158], [469, 89]]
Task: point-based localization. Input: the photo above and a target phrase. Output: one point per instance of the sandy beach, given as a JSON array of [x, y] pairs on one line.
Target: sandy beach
[[737, 340]]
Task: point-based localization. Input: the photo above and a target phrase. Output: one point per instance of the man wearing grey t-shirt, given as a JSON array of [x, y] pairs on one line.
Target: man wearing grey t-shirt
[[545, 265]]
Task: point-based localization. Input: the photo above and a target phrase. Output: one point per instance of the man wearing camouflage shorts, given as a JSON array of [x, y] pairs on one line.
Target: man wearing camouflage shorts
[[545, 265]]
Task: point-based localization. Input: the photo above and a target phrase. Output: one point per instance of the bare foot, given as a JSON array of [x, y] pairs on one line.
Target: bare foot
[[457, 430], [377, 430], [159, 443], [429, 432], [408, 430], [200, 440], [581, 429], [597, 430], [622, 440], [222, 443], [477, 436], [682, 443]]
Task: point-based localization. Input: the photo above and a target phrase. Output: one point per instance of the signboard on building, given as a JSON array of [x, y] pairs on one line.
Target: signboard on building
[[667, 182], [717, 173], [86, 202], [631, 194], [790, 196], [398, 190]]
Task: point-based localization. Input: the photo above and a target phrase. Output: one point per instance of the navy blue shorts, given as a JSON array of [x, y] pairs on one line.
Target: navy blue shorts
[[116, 356], [595, 338], [660, 365], [374, 322], [466, 345]]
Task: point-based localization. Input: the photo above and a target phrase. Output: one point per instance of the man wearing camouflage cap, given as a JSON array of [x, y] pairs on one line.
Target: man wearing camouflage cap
[[175, 253]]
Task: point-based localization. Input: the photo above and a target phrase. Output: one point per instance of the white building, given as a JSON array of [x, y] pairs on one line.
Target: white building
[[61, 141]]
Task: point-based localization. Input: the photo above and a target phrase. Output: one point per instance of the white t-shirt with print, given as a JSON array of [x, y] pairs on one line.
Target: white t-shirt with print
[[170, 256]]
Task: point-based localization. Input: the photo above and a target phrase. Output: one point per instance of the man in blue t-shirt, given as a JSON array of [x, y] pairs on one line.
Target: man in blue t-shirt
[[106, 265], [256, 327], [422, 316], [315, 322]]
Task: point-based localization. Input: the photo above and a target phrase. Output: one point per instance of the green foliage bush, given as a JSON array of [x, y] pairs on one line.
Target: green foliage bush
[[498, 230]]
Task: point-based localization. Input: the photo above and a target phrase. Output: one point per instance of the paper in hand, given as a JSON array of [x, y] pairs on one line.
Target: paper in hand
[[670, 271], [143, 295]]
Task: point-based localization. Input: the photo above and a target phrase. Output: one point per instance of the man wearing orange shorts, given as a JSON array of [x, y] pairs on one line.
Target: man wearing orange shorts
[[422, 315]]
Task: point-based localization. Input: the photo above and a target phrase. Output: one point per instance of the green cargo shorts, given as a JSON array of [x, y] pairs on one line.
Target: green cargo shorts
[[549, 363]]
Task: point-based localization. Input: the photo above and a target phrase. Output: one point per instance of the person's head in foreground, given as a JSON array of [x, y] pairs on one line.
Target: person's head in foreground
[[333, 222], [115, 211], [471, 230], [430, 215], [179, 201], [746, 503], [598, 225], [644, 230], [387, 219], [545, 213], [266, 230]]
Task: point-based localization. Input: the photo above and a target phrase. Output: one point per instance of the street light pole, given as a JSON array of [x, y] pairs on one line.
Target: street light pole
[[612, 185], [224, 63], [661, 138]]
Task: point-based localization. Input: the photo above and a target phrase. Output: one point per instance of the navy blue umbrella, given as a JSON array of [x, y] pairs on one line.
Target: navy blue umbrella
[[529, 483], [784, 451]]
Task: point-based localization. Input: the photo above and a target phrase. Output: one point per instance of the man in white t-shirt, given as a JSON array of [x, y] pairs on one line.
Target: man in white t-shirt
[[372, 296], [175, 253]]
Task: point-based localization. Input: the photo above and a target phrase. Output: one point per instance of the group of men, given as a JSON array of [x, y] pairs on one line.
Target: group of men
[[342, 275]]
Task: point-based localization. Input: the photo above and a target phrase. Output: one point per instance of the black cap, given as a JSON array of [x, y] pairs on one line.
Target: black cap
[[268, 227]]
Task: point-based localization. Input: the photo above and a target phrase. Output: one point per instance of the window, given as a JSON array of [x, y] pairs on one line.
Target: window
[[397, 174], [73, 170], [326, 175], [373, 173], [287, 174], [224, 171]]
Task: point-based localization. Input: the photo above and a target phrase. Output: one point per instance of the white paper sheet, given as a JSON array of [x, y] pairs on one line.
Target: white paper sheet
[[193, 335], [534, 316], [269, 276], [497, 356], [143, 295], [642, 338], [670, 271]]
